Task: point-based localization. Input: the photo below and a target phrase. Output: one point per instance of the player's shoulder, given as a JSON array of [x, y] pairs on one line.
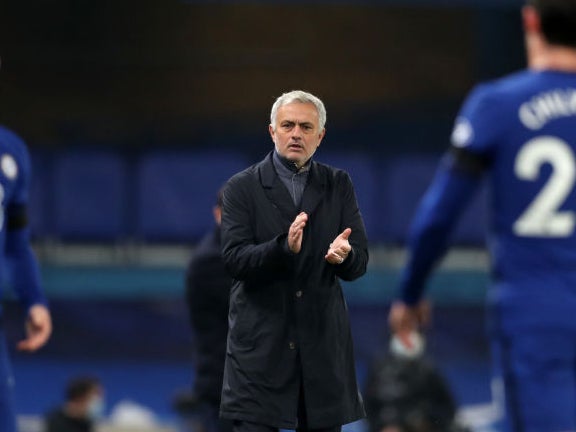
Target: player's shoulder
[[10, 141], [14, 157], [508, 87], [495, 101]]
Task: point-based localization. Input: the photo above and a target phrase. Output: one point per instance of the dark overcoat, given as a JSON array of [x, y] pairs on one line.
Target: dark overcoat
[[288, 321], [207, 296]]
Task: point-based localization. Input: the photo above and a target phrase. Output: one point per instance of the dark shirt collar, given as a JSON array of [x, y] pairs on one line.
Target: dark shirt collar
[[291, 165]]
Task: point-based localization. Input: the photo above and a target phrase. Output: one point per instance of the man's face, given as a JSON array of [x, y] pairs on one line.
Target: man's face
[[297, 134]]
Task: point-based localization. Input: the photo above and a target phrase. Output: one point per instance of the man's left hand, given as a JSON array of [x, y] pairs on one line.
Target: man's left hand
[[38, 328], [339, 248]]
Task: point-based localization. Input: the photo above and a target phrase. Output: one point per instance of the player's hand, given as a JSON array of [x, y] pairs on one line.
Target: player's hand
[[38, 328], [339, 248], [296, 232], [404, 320]]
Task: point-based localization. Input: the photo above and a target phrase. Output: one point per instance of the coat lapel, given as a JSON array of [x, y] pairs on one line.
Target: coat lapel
[[315, 189], [276, 191], [279, 195]]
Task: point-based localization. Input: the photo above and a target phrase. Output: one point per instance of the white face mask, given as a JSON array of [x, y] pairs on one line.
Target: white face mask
[[399, 349], [96, 407]]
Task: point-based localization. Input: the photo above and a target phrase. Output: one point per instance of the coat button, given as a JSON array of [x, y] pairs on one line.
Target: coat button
[[292, 345], [299, 293]]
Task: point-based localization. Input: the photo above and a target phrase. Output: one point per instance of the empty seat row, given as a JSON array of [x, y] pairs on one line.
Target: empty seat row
[[167, 196], [105, 196]]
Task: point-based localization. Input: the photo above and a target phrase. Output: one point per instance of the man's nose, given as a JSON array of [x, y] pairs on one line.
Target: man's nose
[[296, 131]]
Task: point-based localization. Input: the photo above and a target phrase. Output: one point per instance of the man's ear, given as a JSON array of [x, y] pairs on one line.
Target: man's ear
[[217, 212], [271, 131], [531, 20], [321, 137]]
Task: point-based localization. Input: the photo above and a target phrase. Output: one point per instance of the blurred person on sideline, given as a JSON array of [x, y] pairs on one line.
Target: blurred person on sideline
[[19, 262], [82, 408], [520, 130], [291, 229], [207, 296], [406, 392]]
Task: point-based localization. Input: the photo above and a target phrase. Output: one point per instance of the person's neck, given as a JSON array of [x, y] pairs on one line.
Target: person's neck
[[290, 164], [543, 56]]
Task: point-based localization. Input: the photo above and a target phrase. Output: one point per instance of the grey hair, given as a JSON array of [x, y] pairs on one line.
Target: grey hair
[[302, 97]]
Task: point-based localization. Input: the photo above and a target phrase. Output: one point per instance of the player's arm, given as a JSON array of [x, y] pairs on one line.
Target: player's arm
[[21, 265], [456, 181], [453, 186], [475, 138], [24, 276]]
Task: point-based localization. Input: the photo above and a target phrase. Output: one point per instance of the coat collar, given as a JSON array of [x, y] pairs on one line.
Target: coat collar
[[279, 195]]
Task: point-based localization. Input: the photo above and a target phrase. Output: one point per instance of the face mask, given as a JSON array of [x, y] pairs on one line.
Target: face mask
[[96, 408], [399, 349]]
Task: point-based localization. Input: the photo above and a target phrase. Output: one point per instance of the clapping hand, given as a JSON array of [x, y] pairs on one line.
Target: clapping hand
[[339, 248]]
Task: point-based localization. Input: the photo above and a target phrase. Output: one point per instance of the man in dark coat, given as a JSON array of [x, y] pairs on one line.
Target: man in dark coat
[[291, 228], [207, 296]]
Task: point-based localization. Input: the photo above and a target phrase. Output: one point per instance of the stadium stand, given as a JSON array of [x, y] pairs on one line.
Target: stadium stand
[[89, 190], [176, 191], [166, 196], [403, 181], [360, 168], [40, 188]]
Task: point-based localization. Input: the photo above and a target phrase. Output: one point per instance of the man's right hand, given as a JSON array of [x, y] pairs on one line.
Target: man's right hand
[[38, 328], [404, 319], [296, 232]]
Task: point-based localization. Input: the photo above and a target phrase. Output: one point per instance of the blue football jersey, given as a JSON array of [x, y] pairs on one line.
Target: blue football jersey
[[521, 131], [525, 125]]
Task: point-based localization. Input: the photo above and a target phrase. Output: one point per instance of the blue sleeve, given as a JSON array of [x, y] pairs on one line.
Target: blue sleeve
[[436, 216], [21, 165], [21, 264], [479, 125], [22, 267]]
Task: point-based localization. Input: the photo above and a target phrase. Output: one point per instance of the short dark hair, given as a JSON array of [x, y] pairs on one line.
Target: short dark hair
[[220, 197], [80, 387], [558, 19]]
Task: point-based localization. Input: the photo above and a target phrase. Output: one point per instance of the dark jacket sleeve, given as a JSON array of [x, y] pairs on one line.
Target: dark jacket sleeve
[[355, 264], [244, 259]]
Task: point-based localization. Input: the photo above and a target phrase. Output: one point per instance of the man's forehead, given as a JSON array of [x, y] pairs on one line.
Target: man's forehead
[[298, 111]]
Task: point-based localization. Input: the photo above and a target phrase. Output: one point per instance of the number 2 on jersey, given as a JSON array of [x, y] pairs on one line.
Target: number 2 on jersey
[[543, 217]]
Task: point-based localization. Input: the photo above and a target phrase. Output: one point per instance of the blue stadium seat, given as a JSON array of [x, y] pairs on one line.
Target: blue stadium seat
[[177, 190], [90, 196], [360, 168], [40, 217], [404, 180]]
